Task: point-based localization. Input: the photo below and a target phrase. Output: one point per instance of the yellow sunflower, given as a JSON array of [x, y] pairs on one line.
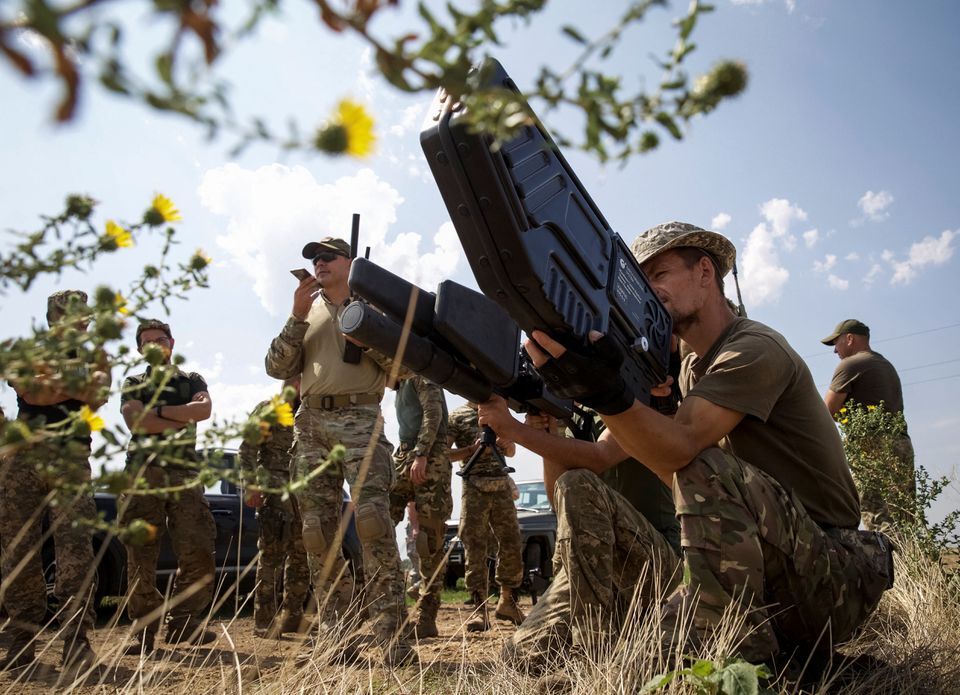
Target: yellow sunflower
[[121, 304], [199, 260], [349, 131], [94, 421], [120, 237], [161, 210], [284, 412]]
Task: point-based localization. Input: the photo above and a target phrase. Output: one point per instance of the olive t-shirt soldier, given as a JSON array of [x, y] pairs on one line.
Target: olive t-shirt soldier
[[161, 406], [57, 465], [768, 511], [867, 377]]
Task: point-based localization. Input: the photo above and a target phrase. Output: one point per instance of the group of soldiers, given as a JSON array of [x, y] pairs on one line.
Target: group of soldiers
[[739, 498]]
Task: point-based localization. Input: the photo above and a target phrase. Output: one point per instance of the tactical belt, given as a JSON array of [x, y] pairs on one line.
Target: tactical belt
[[333, 402]]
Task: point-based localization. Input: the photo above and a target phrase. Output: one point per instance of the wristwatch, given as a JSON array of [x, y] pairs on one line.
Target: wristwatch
[[417, 453]]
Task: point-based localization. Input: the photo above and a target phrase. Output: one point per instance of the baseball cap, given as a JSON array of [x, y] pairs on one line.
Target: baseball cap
[[328, 243], [673, 235], [849, 326]]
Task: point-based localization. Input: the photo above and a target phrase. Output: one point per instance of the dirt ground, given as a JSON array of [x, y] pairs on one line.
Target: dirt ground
[[261, 663]]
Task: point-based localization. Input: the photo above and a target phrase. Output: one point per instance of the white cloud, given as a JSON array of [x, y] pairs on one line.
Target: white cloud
[[274, 210], [874, 206], [791, 5], [852, 256], [811, 237], [763, 275], [876, 270], [826, 264], [410, 118], [720, 222], [837, 283], [364, 81], [928, 251]]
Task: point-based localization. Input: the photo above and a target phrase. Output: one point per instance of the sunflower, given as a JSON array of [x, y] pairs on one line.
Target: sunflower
[[284, 412], [118, 236], [121, 304], [161, 210], [94, 421], [349, 131], [199, 260]]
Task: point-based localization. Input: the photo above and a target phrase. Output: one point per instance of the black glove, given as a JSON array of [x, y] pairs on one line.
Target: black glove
[[590, 375]]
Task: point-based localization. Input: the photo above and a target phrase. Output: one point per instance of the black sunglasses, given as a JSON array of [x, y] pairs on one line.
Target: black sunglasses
[[327, 256]]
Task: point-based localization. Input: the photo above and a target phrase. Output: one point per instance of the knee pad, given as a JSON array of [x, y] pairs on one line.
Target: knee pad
[[423, 544], [372, 524], [313, 539]]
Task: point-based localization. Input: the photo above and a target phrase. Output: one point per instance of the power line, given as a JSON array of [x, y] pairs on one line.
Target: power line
[[932, 364], [939, 378], [888, 340]]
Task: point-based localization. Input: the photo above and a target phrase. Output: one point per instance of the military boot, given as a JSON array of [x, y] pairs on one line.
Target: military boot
[[78, 656], [265, 624], [482, 623], [426, 624], [144, 643], [20, 653], [186, 630], [507, 607]]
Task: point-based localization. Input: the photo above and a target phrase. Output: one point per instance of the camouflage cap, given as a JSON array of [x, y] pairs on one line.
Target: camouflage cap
[[328, 243], [673, 235], [848, 326], [150, 324], [58, 303]]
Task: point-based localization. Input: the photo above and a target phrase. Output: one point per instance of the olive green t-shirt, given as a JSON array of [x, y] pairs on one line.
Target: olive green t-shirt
[[869, 379], [786, 432]]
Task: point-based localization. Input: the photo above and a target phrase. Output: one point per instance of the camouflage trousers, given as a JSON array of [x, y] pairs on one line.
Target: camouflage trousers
[[890, 510], [488, 516], [39, 477], [434, 502], [747, 544], [368, 468], [186, 516], [282, 555]]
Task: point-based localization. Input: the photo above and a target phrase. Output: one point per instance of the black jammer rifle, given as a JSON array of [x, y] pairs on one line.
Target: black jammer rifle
[[537, 243]]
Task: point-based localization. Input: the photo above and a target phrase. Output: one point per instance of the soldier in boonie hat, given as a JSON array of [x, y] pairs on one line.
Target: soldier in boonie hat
[[673, 235], [59, 302], [329, 244]]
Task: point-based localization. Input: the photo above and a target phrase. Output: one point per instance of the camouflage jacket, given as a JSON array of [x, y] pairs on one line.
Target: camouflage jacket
[[272, 454]]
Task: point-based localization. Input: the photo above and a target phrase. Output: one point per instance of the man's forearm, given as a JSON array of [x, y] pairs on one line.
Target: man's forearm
[[187, 413], [284, 358], [150, 423]]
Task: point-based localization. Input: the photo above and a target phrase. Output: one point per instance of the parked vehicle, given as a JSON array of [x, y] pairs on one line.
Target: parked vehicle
[[538, 532]]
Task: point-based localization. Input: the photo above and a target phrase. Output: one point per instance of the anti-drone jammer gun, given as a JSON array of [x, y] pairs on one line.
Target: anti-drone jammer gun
[[458, 338], [537, 243]]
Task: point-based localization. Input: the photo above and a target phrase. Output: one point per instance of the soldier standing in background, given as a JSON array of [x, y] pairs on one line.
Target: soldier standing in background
[[423, 477], [341, 389], [487, 515], [281, 539], [166, 401], [57, 466], [867, 377]]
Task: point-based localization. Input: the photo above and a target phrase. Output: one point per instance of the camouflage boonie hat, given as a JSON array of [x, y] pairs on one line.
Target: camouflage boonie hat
[[328, 243], [58, 302], [152, 324], [673, 235]]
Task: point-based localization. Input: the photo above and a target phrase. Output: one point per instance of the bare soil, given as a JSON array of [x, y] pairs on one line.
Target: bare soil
[[238, 657]]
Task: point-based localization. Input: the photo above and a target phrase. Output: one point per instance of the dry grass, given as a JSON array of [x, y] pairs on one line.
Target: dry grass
[[910, 645]]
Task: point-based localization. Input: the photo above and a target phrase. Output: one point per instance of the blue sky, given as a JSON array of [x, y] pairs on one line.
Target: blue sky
[[834, 174]]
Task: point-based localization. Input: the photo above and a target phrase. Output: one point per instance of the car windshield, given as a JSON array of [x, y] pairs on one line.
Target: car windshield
[[533, 495]]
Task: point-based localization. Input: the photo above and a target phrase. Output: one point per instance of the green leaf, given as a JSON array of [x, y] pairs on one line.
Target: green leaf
[[666, 120], [739, 678], [573, 34], [702, 668]]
